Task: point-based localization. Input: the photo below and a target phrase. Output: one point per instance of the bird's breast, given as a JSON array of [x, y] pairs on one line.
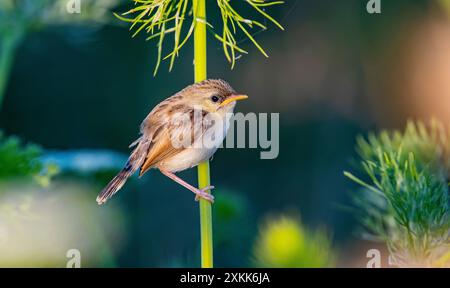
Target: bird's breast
[[203, 147]]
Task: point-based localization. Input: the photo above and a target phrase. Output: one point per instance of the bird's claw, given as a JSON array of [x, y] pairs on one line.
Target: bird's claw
[[201, 193]]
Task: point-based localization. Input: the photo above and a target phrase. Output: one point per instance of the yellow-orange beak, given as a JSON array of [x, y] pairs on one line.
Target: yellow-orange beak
[[233, 98]]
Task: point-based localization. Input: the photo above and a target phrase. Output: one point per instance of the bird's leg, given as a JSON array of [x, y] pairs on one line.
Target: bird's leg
[[200, 193]]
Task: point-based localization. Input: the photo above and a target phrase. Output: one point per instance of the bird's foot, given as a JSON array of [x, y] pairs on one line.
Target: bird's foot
[[201, 193]]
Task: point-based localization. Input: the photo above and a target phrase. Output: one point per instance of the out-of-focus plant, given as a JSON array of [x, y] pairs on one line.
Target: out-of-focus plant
[[405, 200], [21, 17], [18, 160], [284, 242], [163, 18]]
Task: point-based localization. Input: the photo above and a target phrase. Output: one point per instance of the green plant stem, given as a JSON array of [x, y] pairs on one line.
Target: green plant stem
[[199, 7], [8, 49]]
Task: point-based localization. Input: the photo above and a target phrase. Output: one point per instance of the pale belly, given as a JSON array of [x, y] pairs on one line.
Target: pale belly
[[186, 159], [199, 152]]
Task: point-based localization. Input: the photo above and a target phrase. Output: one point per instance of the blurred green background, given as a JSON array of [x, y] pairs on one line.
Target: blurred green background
[[335, 72]]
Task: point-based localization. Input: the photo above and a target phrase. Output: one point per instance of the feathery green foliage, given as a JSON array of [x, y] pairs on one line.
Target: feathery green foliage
[[160, 18], [405, 200]]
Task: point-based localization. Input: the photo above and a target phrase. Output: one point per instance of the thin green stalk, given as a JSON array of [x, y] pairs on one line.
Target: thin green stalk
[[199, 7]]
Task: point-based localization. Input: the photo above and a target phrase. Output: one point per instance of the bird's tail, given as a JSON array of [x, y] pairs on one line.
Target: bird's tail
[[133, 163], [115, 184]]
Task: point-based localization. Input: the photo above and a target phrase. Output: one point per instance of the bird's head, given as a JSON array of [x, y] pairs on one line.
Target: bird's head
[[213, 96]]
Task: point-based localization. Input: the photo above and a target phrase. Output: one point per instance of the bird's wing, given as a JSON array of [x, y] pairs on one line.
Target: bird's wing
[[160, 149], [171, 120], [162, 127]]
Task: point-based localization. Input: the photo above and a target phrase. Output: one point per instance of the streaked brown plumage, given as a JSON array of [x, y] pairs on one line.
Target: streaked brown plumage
[[215, 99]]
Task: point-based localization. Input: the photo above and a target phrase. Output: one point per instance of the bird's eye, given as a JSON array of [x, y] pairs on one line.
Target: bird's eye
[[214, 98]]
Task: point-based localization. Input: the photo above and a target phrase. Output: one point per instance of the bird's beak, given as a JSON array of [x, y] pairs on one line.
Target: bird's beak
[[233, 98]]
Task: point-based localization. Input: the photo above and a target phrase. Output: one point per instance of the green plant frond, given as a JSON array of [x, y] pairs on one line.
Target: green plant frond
[[156, 35], [233, 45], [232, 20], [410, 172], [257, 8], [252, 39], [160, 46], [362, 183], [175, 51], [159, 18], [162, 17]]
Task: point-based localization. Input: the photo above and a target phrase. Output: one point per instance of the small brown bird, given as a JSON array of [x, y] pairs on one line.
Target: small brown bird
[[180, 132]]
